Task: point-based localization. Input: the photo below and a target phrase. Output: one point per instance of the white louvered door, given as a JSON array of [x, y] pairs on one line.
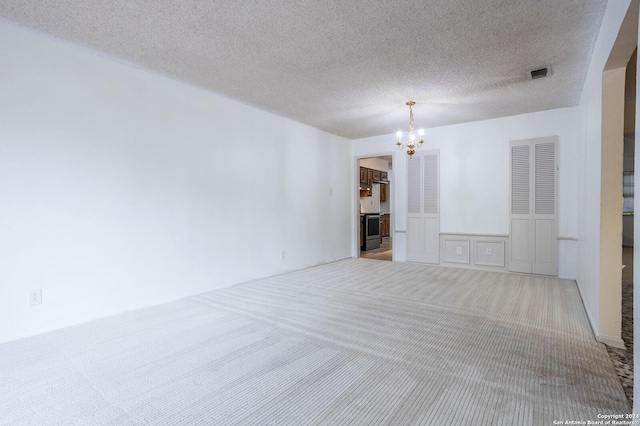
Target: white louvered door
[[545, 224], [520, 247], [533, 221], [423, 209]]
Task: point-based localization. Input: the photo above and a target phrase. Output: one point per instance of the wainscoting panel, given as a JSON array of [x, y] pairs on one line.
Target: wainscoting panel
[[456, 250], [490, 253], [475, 251]]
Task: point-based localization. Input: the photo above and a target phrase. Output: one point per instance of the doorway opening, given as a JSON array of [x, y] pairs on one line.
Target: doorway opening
[[623, 358], [617, 224], [376, 208]]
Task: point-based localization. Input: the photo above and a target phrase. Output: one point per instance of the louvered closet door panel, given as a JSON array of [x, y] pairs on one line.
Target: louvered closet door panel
[[545, 188], [423, 222], [545, 259], [533, 238], [431, 208], [520, 226], [431, 240], [544, 237], [415, 225], [520, 182], [414, 175], [431, 184], [415, 239], [520, 254]]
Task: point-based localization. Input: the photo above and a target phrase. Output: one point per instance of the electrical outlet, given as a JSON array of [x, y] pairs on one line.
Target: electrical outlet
[[488, 251], [458, 250], [35, 297]]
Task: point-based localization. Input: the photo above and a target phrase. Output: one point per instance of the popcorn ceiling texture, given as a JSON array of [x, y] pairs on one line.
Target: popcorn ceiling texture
[[346, 67]]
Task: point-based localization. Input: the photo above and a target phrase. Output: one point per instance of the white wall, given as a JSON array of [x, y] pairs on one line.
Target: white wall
[[474, 178], [611, 156], [371, 204], [121, 188], [375, 163], [589, 162]]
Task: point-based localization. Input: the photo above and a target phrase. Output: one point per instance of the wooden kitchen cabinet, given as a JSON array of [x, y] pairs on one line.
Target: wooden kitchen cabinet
[[385, 225], [368, 176], [383, 193]]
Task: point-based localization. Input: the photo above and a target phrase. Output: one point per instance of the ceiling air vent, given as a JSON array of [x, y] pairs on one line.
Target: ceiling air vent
[[539, 73]]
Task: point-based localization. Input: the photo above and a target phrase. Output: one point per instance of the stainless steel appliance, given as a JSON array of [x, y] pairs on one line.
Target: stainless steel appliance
[[371, 231]]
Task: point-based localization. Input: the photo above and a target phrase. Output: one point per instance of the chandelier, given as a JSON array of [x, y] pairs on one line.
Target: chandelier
[[411, 144]]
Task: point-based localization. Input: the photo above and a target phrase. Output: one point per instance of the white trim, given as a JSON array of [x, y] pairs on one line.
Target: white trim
[[355, 231], [611, 341], [475, 235], [592, 323]]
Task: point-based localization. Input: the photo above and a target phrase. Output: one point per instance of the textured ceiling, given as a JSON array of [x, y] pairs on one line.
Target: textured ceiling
[[346, 66]]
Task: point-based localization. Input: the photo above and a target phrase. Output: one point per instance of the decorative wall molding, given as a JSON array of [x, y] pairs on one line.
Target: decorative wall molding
[[490, 252], [455, 234], [455, 250], [477, 251]]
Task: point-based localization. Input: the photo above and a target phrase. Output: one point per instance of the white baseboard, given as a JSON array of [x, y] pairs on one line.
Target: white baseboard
[[615, 342], [611, 341], [594, 326]]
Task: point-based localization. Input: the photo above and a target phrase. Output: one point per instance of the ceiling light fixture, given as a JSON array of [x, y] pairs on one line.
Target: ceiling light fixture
[[411, 144]]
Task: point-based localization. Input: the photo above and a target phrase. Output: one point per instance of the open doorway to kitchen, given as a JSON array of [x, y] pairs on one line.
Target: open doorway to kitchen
[[617, 190], [623, 357], [375, 208]]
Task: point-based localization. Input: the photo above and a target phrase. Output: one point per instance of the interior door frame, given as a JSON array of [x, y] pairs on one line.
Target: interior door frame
[[355, 237]]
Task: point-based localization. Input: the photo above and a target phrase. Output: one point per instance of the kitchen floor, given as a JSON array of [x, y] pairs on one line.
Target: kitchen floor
[[381, 253]]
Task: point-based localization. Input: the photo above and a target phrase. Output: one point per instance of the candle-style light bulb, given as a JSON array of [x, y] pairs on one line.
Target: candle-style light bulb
[[400, 144]]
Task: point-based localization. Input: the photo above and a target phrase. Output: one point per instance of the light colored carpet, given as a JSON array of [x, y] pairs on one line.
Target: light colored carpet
[[357, 342]]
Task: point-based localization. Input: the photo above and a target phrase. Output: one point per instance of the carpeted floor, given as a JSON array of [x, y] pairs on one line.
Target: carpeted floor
[[357, 342]]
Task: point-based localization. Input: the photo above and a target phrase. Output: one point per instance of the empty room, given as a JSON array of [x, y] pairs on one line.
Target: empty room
[[330, 213]]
